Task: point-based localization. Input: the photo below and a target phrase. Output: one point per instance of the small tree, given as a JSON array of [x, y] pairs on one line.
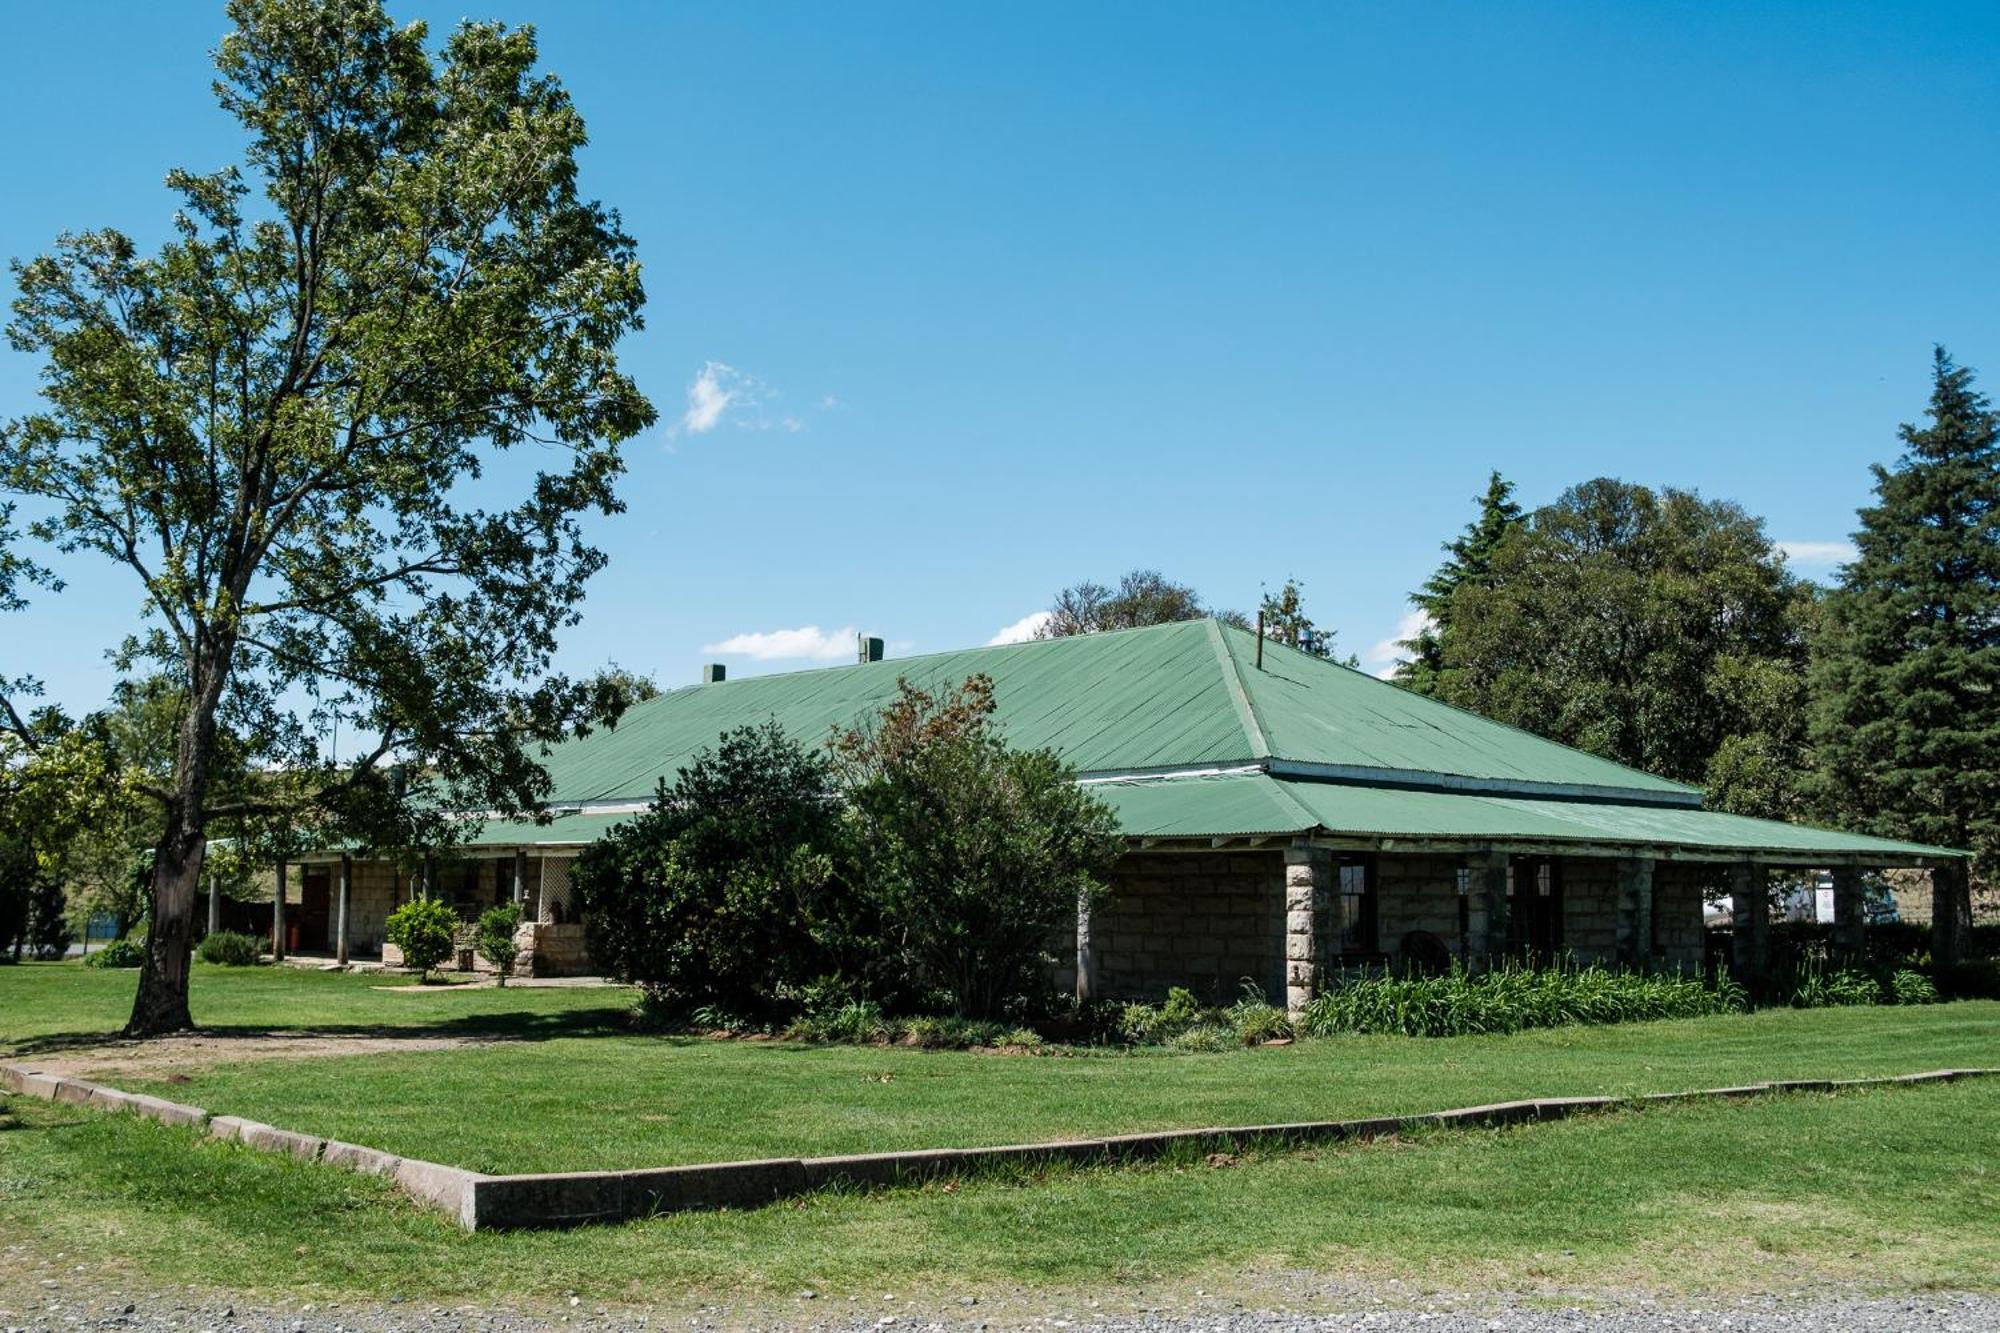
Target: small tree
[[978, 854], [426, 932], [725, 891], [496, 942]]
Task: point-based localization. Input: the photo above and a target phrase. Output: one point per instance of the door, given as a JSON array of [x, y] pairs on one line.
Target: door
[[311, 934], [1534, 908]]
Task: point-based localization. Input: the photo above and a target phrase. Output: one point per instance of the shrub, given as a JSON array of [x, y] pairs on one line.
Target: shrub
[[1137, 1024], [127, 952], [1025, 1039], [1815, 987], [1256, 1021], [1512, 999], [1204, 1038], [724, 892], [977, 854], [229, 948], [494, 938], [1909, 986], [426, 931]]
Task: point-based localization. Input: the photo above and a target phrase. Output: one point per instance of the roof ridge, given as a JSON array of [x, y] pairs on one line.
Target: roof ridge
[[1239, 694]]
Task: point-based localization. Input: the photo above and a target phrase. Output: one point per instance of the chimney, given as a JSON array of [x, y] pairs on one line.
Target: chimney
[[870, 648], [714, 673]]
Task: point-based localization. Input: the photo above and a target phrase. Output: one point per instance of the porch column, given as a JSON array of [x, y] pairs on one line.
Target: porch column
[[214, 902], [1086, 953], [340, 910], [278, 918], [430, 877], [1635, 911], [1308, 875], [1847, 911], [1486, 910], [520, 877], [1750, 925], [1951, 911]]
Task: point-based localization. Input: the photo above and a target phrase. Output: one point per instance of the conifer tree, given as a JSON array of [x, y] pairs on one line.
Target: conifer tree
[[1470, 561], [1906, 672]]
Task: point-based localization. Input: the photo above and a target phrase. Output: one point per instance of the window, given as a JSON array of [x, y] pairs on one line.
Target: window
[[1535, 916], [1354, 907]]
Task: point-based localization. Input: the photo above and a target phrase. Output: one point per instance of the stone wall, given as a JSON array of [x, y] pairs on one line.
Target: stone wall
[[1207, 921], [1590, 908], [1679, 937], [1416, 893]]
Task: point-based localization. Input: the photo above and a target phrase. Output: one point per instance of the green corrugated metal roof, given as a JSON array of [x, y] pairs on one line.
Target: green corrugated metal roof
[[563, 830], [1236, 805], [1168, 696]]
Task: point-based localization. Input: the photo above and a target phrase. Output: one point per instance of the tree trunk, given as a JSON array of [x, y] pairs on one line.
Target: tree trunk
[[162, 1002]]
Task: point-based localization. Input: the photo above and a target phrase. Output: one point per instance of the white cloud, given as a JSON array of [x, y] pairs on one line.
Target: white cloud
[[713, 390], [1023, 629], [1384, 655], [1818, 553], [808, 641]]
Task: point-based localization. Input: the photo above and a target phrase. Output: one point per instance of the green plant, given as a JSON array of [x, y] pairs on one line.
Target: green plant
[[127, 952], [426, 931], [1256, 1021], [1205, 1038], [1026, 1039], [1818, 987], [1512, 999], [1181, 1010], [726, 891], [229, 948], [1136, 1024], [1910, 986], [494, 938]]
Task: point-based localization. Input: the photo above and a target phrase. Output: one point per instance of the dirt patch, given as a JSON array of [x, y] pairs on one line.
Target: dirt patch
[[178, 1055]]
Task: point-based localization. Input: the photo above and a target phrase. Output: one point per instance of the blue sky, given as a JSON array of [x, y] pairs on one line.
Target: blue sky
[[987, 300]]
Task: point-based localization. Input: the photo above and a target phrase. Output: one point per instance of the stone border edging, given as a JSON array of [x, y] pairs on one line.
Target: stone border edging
[[572, 1198]]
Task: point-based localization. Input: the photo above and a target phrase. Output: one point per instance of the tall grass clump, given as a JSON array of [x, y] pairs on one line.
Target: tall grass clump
[[1513, 999]]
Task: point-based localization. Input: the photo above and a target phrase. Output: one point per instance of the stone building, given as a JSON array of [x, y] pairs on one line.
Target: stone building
[[1287, 819]]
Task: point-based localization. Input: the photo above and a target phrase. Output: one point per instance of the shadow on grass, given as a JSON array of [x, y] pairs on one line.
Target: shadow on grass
[[604, 1021]]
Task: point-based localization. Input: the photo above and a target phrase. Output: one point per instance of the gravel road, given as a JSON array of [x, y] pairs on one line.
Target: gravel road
[[1929, 1313]]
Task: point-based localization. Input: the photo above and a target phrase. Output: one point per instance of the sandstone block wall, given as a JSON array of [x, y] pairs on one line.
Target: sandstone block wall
[[1207, 921]]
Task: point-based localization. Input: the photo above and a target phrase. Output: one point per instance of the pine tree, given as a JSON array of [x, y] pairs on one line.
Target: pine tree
[[1471, 561], [1906, 673]]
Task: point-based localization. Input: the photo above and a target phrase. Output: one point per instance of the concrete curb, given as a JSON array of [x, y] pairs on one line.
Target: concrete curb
[[574, 1198]]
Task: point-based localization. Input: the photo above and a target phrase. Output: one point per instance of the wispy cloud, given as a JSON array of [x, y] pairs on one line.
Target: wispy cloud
[[716, 388], [1022, 630], [808, 642], [1818, 553], [1385, 655]]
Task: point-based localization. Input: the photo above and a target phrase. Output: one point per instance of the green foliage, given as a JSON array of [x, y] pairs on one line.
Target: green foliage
[[977, 854], [1906, 669], [1283, 616], [494, 938], [724, 892], [1660, 630], [1512, 999], [1909, 986], [1142, 597], [229, 948], [1817, 986], [1469, 562], [119, 953], [1255, 1021], [426, 931], [271, 424]]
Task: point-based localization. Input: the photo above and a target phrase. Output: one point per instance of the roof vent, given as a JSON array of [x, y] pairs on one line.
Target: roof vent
[[714, 673], [870, 648]]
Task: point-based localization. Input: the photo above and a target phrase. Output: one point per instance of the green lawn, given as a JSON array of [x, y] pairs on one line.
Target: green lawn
[[1888, 1189], [573, 1089]]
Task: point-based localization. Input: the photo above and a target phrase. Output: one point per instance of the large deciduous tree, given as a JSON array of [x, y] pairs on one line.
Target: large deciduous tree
[[1142, 597], [280, 425], [1906, 668], [1661, 630]]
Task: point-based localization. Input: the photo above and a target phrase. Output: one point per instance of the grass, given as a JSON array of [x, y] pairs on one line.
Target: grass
[[1884, 1189], [1881, 1189], [570, 1088]]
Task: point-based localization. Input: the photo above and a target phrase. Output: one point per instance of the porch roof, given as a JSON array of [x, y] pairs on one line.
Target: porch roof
[[1251, 804]]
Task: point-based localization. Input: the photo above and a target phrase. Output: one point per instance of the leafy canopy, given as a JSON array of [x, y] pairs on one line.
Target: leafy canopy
[[296, 426]]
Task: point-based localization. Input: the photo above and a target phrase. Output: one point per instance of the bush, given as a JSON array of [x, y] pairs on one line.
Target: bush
[[426, 931], [1815, 987], [977, 854], [1909, 986], [229, 948], [127, 952], [1513, 999], [1204, 1038], [724, 892], [494, 938], [1255, 1021]]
